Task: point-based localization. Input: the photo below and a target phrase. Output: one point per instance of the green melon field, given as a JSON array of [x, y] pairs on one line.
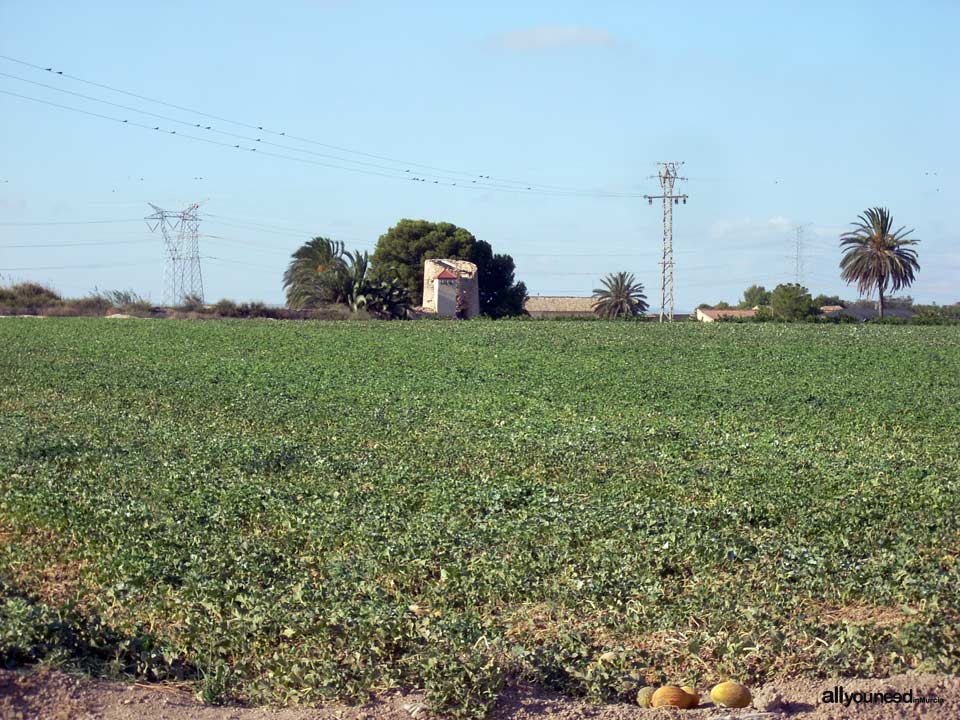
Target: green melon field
[[295, 511]]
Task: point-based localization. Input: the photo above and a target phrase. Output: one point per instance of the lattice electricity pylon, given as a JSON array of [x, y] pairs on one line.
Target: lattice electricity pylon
[[667, 172], [182, 277]]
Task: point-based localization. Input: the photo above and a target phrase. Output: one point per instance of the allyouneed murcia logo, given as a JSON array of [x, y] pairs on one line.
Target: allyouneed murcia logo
[[841, 697]]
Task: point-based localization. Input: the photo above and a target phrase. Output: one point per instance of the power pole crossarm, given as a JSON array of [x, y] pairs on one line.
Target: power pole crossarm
[[667, 173]]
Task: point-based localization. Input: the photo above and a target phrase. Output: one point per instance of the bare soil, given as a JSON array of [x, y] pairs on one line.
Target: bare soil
[[50, 694]]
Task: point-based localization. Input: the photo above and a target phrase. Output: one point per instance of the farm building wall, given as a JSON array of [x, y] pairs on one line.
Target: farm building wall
[[467, 283]]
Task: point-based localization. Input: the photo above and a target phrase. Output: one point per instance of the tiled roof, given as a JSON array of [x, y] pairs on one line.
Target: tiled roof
[[723, 314], [555, 303]]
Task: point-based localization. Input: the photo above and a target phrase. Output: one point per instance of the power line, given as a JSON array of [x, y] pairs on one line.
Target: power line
[[238, 136], [407, 177], [76, 244], [68, 222], [199, 139], [472, 177], [76, 267]]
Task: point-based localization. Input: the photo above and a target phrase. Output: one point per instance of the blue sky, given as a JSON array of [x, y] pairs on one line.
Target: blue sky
[[786, 115]]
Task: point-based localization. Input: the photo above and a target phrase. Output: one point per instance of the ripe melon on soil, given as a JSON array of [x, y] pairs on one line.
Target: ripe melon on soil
[[731, 694], [671, 695], [692, 692], [645, 696]]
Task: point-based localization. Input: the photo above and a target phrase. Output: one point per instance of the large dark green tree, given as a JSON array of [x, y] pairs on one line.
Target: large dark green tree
[[402, 250], [790, 301], [620, 296], [500, 294], [755, 295], [875, 256]]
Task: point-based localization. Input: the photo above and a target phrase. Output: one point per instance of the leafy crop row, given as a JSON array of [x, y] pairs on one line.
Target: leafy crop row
[[294, 512]]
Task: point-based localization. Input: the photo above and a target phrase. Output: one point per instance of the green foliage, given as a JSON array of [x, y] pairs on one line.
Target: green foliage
[[278, 519], [939, 312], [753, 296], [500, 294], [226, 308], [820, 300], [31, 631], [620, 296], [317, 274], [878, 257], [402, 250], [322, 273], [790, 301]]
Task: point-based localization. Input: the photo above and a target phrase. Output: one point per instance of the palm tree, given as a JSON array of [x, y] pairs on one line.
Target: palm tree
[[315, 274], [875, 256], [621, 295], [322, 272]]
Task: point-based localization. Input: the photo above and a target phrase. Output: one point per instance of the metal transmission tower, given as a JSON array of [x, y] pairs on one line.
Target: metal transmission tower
[[181, 275], [798, 253], [798, 260], [667, 172]]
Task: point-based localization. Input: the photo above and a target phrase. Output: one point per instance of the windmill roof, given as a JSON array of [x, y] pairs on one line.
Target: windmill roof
[[447, 275]]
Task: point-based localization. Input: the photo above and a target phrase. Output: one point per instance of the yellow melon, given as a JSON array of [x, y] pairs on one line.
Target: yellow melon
[[692, 692], [670, 695], [645, 696], [731, 694]]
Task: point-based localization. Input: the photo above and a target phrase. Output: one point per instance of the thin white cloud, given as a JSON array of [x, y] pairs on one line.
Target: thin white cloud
[[778, 222], [829, 232], [751, 228], [554, 37]]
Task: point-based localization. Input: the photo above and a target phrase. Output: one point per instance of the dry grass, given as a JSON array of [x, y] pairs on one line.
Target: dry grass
[[54, 575]]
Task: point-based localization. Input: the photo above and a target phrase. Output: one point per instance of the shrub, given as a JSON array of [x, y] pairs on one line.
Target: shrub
[[28, 297], [190, 304], [226, 308], [92, 306], [125, 301]]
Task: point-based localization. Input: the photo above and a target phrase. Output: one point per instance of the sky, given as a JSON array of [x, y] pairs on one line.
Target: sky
[[786, 115]]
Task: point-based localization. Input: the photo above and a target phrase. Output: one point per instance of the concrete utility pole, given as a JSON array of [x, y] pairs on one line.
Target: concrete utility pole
[[667, 173], [182, 276]]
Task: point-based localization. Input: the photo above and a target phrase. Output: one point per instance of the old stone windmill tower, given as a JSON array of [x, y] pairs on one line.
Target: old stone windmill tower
[[446, 280]]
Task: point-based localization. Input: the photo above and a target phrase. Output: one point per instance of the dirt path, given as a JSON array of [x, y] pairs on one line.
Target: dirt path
[[46, 694]]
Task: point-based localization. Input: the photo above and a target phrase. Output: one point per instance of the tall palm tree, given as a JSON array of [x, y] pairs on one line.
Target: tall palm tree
[[876, 256], [621, 295], [323, 271], [315, 274]]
